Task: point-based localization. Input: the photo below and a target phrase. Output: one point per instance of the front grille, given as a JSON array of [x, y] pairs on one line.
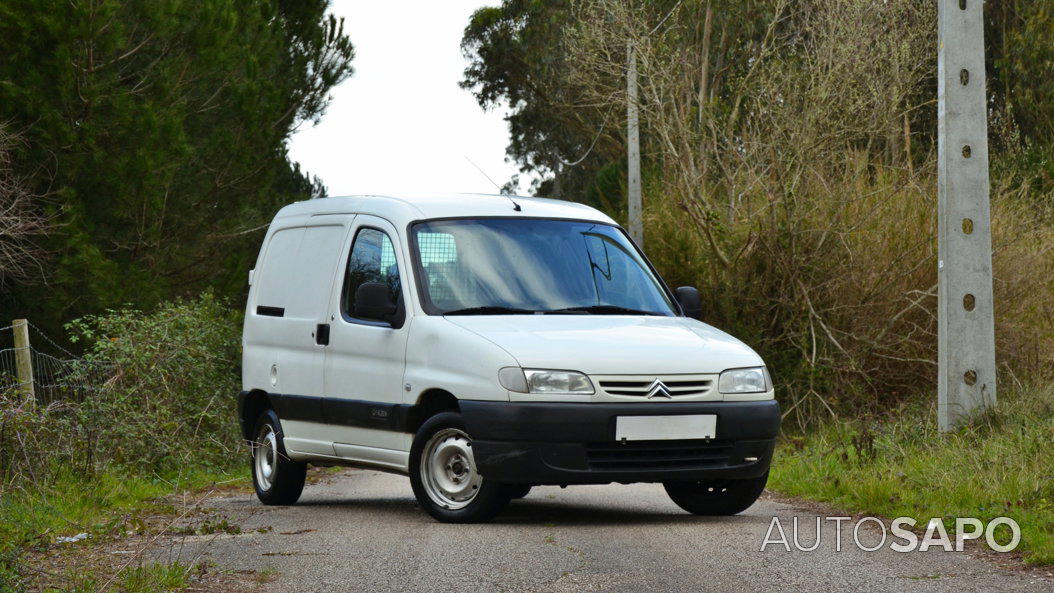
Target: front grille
[[645, 455], [680, 387]]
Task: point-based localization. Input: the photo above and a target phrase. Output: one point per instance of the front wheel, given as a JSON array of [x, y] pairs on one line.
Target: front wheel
[[278, 479], [444, 477], [716, 497]]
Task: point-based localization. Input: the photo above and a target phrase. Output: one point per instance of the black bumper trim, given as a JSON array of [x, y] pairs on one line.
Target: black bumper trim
[[595, 423], [570, 443]]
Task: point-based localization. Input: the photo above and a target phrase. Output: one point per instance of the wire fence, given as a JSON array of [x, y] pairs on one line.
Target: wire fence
[[54, 375]]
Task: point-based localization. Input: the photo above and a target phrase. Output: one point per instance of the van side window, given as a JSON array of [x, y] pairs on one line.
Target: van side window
[[297, 275], [372, 260]]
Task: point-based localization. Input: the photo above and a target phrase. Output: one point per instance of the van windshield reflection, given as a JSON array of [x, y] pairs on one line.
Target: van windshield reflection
[[508, 266]]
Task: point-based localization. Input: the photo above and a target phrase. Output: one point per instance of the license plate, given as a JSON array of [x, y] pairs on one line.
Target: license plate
[[663, 428]]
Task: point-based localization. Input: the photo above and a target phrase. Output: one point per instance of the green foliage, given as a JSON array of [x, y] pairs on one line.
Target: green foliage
[[900, 465], [173, 374], [159, 416], [155, 131], [146, 578], [514, 51], [155, 578]]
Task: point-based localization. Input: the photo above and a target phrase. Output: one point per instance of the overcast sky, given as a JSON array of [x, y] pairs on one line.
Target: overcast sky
[[401, 124]]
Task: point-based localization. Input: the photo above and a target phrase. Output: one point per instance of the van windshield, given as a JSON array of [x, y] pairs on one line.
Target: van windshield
[[524, 266]]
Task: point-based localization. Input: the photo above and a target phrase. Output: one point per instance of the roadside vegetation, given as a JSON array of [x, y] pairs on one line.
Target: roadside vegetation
[[899, 465], [151, 416]]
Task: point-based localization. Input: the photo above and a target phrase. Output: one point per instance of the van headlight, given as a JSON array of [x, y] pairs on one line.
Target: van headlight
[[544, 381], [753, 380]]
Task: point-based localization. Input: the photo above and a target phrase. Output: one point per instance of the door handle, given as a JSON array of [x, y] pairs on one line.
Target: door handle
[[322, 334]]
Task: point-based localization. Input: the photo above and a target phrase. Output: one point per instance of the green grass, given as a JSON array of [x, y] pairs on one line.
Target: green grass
[[150, 578], [1001, 464], [105, 504]]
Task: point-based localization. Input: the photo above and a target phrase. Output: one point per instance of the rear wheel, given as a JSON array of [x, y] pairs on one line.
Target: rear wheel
[[716, 497], [444, 477], [278, 479]]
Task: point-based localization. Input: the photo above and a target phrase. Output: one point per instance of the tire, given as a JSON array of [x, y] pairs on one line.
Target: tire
[[514, 491], [443, 474], [278, 480], [717, 497]]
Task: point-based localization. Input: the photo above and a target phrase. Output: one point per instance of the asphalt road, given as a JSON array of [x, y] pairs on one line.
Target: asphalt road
[[362, 531]]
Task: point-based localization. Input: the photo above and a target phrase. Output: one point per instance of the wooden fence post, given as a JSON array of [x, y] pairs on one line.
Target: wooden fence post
[[23, 356]]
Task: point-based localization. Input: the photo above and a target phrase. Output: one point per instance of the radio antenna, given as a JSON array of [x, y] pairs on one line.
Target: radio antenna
[[501, 192]]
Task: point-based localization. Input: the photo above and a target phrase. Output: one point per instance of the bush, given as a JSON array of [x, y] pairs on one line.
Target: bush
[[153, 394], [836, 287], [33, 438], [171, 380], [147, 409], [791, 175]]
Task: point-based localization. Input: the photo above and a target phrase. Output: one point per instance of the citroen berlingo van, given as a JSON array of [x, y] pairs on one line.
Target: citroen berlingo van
[[482, 345]]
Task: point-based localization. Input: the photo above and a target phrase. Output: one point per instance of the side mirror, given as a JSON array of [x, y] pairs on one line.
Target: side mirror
[[690, 301], [372, 301]]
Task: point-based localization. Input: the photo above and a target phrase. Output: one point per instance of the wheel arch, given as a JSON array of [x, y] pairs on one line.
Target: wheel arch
[[252, 404], [429, 403]]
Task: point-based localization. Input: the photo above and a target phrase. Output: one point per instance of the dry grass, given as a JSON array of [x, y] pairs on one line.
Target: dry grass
[[836, 285]]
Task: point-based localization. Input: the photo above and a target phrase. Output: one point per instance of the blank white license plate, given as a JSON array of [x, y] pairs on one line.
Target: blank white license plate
[[662, 428]]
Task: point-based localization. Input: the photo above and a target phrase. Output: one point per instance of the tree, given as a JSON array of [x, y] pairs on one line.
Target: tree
[[515, 54], [20, 222], [159, 127]]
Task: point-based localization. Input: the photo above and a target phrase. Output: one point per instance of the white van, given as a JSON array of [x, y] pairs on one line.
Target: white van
[[485, 344]]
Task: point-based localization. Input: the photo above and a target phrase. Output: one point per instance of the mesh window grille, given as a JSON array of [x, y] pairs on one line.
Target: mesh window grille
[[437, 248], [439, 258]]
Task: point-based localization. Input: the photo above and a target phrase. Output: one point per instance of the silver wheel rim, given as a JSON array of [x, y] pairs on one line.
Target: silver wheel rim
[[448, 469], [265, 457]]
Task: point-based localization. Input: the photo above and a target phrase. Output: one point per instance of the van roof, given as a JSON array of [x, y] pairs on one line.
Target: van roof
[[403, 209]]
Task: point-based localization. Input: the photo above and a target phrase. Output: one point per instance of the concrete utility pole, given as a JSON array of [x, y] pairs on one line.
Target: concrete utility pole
[[636, 226], [966, 327]]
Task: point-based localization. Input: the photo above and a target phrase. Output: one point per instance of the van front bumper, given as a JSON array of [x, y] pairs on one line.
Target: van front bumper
[[574, 443]]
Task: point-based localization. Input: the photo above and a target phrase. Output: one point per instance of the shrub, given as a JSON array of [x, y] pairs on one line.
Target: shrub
[[172, 376], [836, 286], [33, 437], [149, 406]]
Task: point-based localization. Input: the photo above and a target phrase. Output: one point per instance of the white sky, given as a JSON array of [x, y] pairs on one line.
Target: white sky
[[401, 124]]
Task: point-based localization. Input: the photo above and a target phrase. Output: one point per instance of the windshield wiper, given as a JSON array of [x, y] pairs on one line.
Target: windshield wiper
[[605, 310], [491, 310]]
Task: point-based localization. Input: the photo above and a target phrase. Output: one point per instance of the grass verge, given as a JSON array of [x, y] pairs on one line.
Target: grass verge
[[104, 506], [900, 465]]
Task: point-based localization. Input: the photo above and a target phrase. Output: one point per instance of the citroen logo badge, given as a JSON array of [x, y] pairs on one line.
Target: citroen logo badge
[[658, 389]]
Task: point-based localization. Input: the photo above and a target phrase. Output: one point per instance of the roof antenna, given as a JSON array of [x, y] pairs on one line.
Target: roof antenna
[[515, 206]]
